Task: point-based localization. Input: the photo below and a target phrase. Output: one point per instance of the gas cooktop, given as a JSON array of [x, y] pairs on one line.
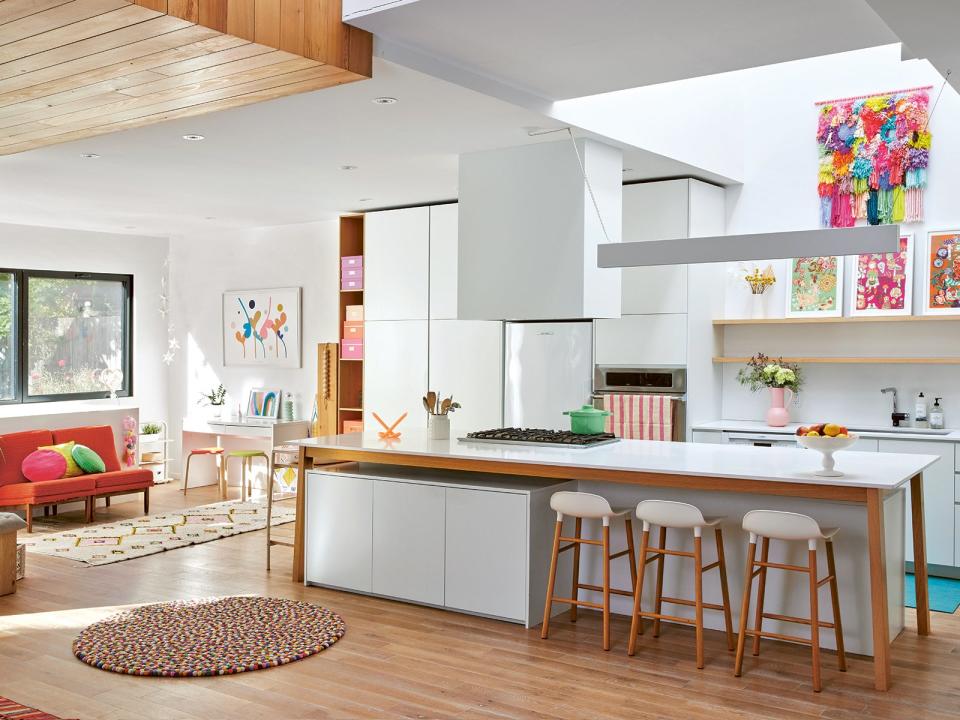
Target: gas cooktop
[[530, 436]]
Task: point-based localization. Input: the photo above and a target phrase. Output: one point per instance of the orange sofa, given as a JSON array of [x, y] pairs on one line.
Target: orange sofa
[[17, 491]]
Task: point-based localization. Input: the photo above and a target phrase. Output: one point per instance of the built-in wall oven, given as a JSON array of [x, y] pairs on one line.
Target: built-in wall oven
[[669, 380]]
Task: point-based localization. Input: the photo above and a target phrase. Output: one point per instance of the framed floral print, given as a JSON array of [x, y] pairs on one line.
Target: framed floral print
[[882, 283], [942, 277], [816, 287]]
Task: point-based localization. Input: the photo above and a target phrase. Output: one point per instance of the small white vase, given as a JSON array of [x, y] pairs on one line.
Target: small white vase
[[214, 412], [440, 427], [757, 306]]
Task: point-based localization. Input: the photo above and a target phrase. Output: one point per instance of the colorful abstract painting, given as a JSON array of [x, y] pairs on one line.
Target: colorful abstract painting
[[883, 282], [264, 403], [816, 287], [942, 261], [262, 327], [874, 152]]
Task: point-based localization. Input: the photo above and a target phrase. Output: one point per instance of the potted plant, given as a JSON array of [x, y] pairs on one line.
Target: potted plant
[[779, 377], [150, 432], [214, 400]]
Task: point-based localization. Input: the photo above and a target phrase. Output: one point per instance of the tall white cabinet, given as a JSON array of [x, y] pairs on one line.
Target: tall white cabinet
[[413, 340]]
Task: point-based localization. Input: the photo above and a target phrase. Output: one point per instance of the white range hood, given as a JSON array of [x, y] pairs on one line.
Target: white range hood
[[529, 232]]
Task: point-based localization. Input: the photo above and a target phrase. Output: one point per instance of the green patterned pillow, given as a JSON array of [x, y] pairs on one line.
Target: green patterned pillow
[[87, 459]]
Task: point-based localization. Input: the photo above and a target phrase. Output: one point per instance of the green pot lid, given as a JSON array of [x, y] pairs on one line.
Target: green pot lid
[[587, 411]]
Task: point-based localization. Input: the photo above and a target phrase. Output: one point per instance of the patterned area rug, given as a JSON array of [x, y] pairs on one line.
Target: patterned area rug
[[216, 636], [150, 534], [10, 710]]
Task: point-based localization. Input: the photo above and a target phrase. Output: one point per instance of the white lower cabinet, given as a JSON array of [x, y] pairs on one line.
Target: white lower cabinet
[[339, 544], [938, 499], [486, 577], [408, 541]]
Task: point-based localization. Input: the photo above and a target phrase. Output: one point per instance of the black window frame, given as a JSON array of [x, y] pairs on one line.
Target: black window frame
[[21, 322]]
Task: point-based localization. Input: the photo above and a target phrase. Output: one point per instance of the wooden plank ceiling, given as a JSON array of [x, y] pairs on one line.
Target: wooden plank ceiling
[[72, 69]]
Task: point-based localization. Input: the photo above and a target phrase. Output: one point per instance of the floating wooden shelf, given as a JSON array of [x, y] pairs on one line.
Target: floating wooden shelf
[[349, 409], [350, 400], [852, 360], [343, 359], [827, 320]]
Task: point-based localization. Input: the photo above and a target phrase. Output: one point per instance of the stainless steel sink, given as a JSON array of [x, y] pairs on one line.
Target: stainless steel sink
[[901, 430]]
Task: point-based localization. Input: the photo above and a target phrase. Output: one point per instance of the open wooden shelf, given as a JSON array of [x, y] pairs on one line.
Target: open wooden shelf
[[350, 401], [852, 360], [828, 320]]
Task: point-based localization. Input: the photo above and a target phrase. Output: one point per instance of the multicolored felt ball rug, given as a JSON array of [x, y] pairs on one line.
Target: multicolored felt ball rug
[[214, 636]]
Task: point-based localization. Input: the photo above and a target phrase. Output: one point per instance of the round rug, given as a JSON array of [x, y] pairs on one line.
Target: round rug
[[217, 636]]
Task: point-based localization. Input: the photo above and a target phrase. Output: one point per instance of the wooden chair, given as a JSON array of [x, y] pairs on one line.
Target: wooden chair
[[777, 525], [247, 457], [581, 505], [217, 454], [668, 514], [9, 524], [279, 458]]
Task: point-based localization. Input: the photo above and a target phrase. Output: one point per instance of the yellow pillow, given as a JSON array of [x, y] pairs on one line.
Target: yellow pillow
[[66, 449]]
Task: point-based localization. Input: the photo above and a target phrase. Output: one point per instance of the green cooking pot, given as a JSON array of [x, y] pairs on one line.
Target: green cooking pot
[[587, 420]]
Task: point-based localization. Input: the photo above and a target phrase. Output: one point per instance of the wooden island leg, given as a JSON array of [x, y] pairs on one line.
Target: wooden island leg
[[920, 556], [878, 589], [298, 532]]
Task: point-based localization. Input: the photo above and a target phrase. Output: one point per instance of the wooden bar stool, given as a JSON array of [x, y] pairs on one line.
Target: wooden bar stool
[[282, 456], [669, 514], [581, 505], [217, 453], [777, 525], [247, 457]]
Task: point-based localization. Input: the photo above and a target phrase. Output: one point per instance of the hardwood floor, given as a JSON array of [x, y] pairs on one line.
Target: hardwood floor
[[404, 661]]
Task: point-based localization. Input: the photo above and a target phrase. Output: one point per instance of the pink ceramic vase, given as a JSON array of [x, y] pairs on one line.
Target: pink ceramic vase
[[778, 415]]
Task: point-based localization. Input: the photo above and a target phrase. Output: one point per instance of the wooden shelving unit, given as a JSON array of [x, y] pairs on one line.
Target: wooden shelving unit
[[852, 360], [350, 386]]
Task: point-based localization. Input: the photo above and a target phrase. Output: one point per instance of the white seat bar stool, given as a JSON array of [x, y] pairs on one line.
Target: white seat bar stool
[[580, 505], [678, 515], [788, 526]]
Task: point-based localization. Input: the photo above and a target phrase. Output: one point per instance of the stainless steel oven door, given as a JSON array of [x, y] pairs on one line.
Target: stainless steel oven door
[[659, 380]]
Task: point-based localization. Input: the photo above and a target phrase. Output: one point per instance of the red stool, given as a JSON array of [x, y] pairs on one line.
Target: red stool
[[217, 452]]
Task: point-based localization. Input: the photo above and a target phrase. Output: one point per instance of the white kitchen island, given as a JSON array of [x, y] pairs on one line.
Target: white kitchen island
[[867, 503]]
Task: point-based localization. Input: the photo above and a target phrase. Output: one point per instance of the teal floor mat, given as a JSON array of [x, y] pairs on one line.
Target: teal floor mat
[[944, 593]]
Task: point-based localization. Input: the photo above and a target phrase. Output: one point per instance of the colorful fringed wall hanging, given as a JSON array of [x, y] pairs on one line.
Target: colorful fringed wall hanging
[[874, 152]]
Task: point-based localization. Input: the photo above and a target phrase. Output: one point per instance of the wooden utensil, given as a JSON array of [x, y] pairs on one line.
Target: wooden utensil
[[445, 405], [426, 404], [431, 401]]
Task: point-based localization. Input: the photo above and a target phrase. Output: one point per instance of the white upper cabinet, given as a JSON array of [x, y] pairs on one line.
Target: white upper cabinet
[[396, 264], [443, 262], [642, 340], [395, 372], [466, 361]]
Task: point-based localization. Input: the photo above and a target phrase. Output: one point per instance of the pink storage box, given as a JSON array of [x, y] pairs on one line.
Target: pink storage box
[[350, 426], [353, 331], [352, 273], [351, 350], [354, 313], [352, 284], [351, 261]]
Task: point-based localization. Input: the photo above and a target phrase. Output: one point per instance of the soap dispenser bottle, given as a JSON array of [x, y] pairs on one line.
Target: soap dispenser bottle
[[936, 415], [920, 412]]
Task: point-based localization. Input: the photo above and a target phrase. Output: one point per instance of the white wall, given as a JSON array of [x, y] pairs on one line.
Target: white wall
[[42, 248], [779, 193], [203, 267]]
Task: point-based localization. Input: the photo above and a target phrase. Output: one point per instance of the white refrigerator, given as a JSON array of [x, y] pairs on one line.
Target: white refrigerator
[[548, 368]]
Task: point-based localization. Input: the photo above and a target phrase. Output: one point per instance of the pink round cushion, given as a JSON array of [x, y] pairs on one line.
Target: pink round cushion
[[43, 465]]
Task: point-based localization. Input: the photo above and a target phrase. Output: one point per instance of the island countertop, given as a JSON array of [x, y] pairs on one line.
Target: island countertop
[[781, 465]]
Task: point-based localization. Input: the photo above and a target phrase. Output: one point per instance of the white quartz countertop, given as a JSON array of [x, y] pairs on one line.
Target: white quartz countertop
[[861, 430], [862, 469]]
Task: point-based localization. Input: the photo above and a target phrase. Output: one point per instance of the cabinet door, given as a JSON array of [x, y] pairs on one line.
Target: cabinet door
[[642, 340], [395, 372], [486, 562], [443, 262], [408, 528], [339, 531], [466, 361], [655, 211], [938, 505], [396, 264]]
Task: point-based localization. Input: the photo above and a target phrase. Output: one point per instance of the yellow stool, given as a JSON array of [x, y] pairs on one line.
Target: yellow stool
[[217, 452], [247, 457]]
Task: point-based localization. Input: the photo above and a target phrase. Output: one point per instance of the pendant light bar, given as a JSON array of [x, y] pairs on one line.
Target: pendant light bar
[[758, 246]]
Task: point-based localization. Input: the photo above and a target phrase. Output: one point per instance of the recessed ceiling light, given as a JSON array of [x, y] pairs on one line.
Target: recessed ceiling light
[[130, 227], [194, 138], [364, 199], [384, 100], [209, 217], [348, 167], [89, 156]]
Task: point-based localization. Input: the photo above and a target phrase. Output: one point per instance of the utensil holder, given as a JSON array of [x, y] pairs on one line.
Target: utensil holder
[[439, 427]]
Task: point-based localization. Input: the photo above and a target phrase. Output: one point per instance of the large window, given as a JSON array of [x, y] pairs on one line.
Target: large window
[[64, 336]]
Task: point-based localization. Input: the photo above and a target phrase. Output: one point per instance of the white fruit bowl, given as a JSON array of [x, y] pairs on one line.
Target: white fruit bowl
[[827, 446]]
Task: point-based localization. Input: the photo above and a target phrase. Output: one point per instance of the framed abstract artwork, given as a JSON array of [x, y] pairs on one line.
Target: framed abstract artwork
[[264, 403], [941, 289], [262, 327], [882, 283], [816, 287]]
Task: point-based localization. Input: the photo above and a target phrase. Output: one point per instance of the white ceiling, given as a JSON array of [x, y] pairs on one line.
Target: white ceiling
[[558, 49], [278, 162]]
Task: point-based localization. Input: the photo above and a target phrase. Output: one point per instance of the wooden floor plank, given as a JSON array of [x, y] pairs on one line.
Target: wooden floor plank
[[56, 17], [11, 10]]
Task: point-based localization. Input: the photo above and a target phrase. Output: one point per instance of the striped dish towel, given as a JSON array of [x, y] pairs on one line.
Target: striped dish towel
[[639, 417]]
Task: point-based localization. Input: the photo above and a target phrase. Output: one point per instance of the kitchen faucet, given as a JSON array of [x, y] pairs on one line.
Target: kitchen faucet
[[896, 416]]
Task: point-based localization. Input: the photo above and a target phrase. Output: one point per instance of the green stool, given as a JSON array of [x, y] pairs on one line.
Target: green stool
[[247, 457]]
